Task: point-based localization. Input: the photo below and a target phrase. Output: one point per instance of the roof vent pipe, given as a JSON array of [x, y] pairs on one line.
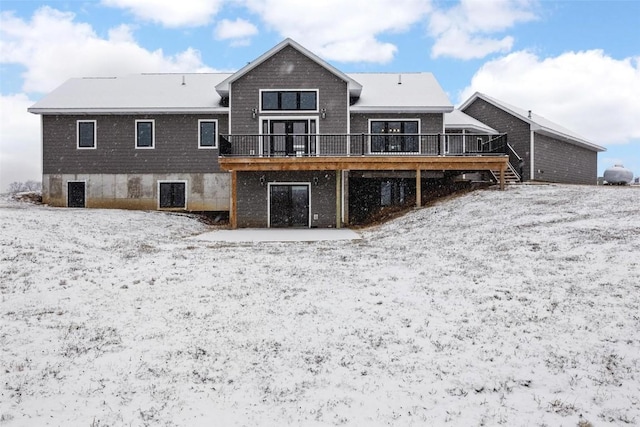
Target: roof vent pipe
[[399, 79], [529, 113], [184, 83]]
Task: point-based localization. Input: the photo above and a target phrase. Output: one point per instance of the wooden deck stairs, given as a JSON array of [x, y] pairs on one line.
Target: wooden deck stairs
[[510, 175]]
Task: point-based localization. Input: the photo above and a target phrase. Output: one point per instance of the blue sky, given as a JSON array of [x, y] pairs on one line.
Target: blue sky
[[574, 62]]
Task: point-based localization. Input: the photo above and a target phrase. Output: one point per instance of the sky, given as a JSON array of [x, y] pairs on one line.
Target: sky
[[574, 62]]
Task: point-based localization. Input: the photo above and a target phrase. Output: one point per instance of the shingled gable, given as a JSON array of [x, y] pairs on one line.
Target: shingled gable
[[223, 87], [536, 122]]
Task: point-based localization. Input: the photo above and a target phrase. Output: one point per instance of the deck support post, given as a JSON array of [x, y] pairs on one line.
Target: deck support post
[[345, 197], [233, 209], [338, 198], [502, 176], [418, 188]]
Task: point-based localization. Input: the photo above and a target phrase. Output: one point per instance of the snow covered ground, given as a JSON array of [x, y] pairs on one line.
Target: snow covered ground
[[519, 308]]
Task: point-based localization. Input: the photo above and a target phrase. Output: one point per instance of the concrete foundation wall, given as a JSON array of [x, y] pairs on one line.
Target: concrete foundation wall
[[205, 191]]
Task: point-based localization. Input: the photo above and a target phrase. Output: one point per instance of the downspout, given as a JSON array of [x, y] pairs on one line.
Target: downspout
[[532, 169]]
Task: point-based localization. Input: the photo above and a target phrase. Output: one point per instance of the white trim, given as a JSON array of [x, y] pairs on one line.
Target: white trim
[[84, 181], [229, 112], [532, 170], [174, 181], [261, 111], [95, 134], [153, 134], [398, 119], [270, 184], [215, 136]]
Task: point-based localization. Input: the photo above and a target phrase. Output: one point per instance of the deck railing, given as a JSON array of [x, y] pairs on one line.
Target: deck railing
[[334, 145]]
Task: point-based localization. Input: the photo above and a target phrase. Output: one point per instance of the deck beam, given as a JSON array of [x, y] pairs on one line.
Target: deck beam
[[433, 163]]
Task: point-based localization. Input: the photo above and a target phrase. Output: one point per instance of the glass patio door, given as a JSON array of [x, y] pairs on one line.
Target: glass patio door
[[289, 205], [289, 137]]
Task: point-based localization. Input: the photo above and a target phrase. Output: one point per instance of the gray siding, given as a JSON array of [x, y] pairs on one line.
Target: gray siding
[[518, 131], [429, 123], [176, 145], [560, 161], [252, 196], [288, 69]]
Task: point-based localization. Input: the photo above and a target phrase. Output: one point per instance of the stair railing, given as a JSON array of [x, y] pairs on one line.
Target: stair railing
[[516, 163]]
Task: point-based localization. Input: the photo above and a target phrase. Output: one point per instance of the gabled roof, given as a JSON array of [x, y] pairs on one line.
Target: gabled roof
[[538, 123], [400, 92], [136, 93], [223, 87], [458, 120]]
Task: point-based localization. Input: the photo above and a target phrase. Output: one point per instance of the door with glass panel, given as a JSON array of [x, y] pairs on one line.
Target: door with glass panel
[[289, 205], [289, 137]]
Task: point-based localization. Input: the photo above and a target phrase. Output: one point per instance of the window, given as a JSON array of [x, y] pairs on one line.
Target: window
[[172, 194], [394, 136], [86, 134], [207, 134], [145, 135], [290, 100]]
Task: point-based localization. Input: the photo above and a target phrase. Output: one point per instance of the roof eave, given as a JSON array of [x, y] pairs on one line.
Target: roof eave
[[80, 111], [400, 109]]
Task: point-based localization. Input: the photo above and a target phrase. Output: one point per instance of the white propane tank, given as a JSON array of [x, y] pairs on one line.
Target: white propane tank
[[618, 174]]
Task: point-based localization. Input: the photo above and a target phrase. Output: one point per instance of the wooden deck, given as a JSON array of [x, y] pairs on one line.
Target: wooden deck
[[373, 163]]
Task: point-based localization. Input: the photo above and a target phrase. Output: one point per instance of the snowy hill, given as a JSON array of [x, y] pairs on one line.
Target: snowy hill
[[519, 307]]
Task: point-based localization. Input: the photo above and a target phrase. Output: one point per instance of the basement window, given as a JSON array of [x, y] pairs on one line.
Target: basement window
[[172, 194]]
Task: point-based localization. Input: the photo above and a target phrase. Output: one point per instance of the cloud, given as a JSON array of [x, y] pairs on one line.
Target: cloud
[[342, 30], [53, 47], [20, 133], [170, 13], [463, 30], [239, 31], [588, 92]]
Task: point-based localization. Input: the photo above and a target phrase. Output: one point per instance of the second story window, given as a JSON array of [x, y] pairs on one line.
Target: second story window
[[207, 134], [145, 134], [289, 100], [86, 134]]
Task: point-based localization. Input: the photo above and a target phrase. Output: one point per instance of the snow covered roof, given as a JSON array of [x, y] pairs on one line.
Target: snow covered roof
[[538, 123], [400, 92], [136, 93], [166, 93], [223, 87], [459, 120]]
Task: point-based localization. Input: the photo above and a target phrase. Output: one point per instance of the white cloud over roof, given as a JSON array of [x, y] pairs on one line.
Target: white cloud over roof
[[588, 91]]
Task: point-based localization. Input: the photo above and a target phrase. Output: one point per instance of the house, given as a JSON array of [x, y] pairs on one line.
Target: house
[[286, 141], [548, 151]]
